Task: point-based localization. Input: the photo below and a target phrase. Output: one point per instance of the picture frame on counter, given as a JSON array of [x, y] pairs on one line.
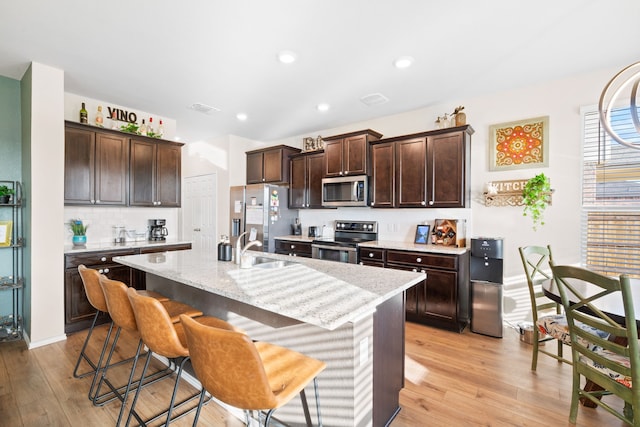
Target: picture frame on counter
[[422, 234], [5, 233]]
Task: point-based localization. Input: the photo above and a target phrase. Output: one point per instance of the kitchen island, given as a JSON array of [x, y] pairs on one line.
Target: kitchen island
[[349, 316]]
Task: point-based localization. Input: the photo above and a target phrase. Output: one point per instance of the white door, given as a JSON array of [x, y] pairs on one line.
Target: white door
[[199, 213]]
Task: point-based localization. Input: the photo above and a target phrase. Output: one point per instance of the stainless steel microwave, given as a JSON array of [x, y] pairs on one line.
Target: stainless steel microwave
[[345, 191]]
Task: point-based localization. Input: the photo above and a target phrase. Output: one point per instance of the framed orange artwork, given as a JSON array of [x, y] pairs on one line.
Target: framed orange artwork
[[519, 145]]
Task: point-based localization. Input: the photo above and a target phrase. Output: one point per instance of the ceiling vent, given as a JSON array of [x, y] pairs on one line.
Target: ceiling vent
[[203, 108], [374, 99]]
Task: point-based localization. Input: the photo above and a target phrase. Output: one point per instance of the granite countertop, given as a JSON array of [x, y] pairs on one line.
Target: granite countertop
[[110, 246], [322, 293], [415, 247]]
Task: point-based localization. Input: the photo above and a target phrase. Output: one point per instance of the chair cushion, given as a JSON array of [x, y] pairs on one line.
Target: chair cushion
[[556, 325], [618, 358]]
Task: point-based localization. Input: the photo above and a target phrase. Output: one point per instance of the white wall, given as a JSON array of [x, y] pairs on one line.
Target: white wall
[[44, 194], [561, 101]]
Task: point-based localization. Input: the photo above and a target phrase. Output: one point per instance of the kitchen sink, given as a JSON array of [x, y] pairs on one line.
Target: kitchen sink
[[263, 262]]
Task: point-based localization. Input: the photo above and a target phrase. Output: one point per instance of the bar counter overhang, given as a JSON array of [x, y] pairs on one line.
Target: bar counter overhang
[[350, 316]]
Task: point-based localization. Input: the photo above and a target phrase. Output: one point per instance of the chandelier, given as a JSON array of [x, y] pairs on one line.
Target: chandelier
[[612, 91]]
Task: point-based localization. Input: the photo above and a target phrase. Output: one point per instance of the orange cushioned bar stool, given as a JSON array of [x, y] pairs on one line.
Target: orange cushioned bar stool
[[93, 291], [115, 293], [249, 375], [165, 338]]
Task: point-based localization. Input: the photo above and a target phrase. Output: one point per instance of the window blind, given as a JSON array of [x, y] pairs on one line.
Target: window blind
[[610, 196]]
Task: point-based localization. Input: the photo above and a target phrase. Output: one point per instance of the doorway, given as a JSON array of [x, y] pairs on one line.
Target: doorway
[[199, 213]]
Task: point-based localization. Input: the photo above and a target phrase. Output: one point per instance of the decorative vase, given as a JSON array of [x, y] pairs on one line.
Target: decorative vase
[[461, 119], [79, 240], [5, 199]]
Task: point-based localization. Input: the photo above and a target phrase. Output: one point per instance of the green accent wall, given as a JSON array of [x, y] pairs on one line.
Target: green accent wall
[[10, 165]]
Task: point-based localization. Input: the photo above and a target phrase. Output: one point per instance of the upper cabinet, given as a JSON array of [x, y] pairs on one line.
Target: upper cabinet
[[269, 165], [107, 167], [305, 185], [96, 167], [347, 154], [155, 173], [428, 169]]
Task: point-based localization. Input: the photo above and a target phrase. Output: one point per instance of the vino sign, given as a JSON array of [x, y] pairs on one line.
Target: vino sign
[[122, 115]]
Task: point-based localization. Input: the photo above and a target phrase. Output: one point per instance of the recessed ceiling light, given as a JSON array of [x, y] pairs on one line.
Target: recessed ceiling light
[[403, 62], [241, 116], [323, 107], [287, 57]]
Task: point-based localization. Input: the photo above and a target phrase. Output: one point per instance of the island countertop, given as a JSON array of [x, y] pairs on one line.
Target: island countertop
[[326, 294]]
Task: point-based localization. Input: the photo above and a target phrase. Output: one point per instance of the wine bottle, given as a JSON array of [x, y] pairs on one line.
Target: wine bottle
[[143, 128], [84, 117], [99, 117], [150, 126], [160, 129]]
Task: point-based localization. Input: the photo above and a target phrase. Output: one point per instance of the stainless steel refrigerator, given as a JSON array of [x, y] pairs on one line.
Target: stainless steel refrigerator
[[262, 210]]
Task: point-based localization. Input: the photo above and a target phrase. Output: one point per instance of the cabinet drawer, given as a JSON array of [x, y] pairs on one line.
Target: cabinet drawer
[[371, 254], [167, 248], [293, 247], [94, 258], [420, 258]]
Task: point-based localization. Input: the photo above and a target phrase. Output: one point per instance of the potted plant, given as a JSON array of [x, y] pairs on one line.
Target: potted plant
[[5, 194], [79, 230], [536, 195]]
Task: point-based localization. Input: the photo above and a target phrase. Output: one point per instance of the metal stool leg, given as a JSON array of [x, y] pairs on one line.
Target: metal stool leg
[[83, 355]]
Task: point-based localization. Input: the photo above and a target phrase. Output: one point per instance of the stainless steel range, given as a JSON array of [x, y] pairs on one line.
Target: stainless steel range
[[344, 246]]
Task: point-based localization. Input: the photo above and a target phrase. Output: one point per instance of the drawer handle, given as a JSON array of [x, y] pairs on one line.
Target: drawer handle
[[103, 259], [418, 259], [100, 271], [370, 254], [106, 270], [415, 270], [293, 246]]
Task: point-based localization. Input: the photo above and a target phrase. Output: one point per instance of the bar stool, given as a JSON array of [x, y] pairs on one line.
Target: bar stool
[[249, 375], [115, 293], [93, 291], [165, 338]]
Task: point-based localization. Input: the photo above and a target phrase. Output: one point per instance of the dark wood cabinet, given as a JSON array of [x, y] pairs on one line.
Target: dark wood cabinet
[[155, 173], [347, 154], [269, 165], [305, 183], [429, 169], [96, 167], [293, 248], [78, 311], [442, 299]]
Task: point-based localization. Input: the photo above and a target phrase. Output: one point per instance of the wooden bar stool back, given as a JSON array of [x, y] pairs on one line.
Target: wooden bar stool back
[[250, 376]]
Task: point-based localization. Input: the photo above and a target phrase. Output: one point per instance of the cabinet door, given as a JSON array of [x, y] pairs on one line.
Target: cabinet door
[[272, 166], [142, 173], [355, 155], [168, 175], [315, 169], [446, 171], [440, 295], [382, 175], [333, 158], [255, 171], [298, 183], [79, 166], [415, 295], [112, 164], [411, 172]]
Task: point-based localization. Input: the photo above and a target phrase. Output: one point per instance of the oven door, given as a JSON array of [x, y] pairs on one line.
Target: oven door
[[348, 254]]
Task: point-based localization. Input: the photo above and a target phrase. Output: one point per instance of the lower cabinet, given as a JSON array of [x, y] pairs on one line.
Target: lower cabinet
[[442, 299], [78, 311], [293, 248]]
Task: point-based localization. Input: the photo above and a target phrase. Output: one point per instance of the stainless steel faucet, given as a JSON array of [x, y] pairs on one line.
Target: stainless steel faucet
[[240, 251]]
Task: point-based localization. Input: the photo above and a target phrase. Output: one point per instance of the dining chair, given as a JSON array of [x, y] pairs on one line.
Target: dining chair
[[549, 327], [612, 364], [253, 376]]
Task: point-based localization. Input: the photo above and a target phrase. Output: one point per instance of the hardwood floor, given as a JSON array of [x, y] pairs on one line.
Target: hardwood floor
[[451, 380]]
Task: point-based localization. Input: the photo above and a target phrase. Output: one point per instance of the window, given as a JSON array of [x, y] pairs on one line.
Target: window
[[611, 196]]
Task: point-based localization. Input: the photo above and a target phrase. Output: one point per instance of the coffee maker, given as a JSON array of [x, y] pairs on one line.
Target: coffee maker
[[157, 230]]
